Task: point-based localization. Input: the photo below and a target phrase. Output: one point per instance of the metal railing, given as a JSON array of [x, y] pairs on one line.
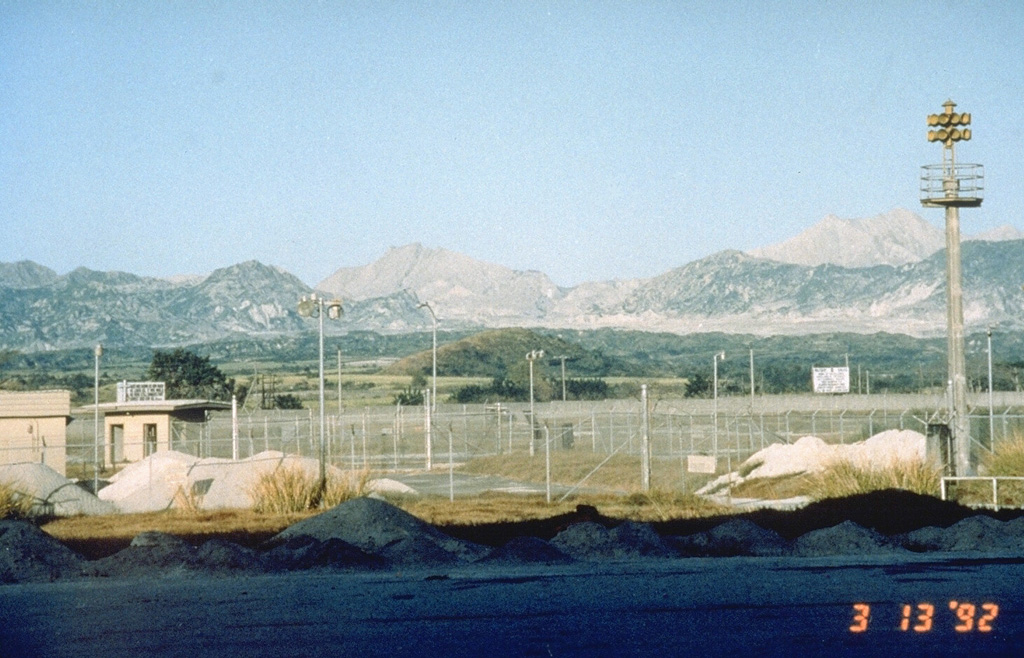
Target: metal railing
[[979, 478]]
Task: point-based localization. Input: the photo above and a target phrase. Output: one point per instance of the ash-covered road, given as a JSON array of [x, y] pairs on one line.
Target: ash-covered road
[[720, 606]]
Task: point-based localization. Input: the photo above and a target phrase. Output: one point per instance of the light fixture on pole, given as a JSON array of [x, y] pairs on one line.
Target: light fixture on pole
[[433, 371], [953, 185], [720, 356], [318, 307], [532, 356], [96, 452]]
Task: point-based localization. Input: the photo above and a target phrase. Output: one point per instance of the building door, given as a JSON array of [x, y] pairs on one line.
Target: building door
[[116, 444], [149, 439]]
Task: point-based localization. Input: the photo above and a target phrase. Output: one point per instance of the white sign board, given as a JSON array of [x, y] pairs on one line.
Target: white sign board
[[140, 391], [700, 464], [831, 380]]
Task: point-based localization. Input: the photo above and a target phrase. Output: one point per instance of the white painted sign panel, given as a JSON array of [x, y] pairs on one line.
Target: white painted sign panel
[[140, 391], [831, 380], [700, 464]]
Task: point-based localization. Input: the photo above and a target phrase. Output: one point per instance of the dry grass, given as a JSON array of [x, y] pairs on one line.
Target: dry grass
[[13, 503], [1007, 458], [619, 474], [292, 489], [98, 536], [655, 505], [774, 488], [844, 478]]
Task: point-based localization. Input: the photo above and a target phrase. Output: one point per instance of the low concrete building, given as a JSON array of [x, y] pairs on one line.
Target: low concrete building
[[135, 430], [33, 428]]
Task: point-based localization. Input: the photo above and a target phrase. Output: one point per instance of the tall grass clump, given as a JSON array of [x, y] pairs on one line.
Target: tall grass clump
[[14, 504], [294, 489], [846, 478], [1007, 458]]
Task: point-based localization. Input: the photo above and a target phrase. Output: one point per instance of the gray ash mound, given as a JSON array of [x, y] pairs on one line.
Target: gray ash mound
[[738, 537], [628, 540], [160, 554], [367, 533], [305, 552], [847, 538], [28, 554], [383, 530], [527, 550], [889, 512], [973, 534]]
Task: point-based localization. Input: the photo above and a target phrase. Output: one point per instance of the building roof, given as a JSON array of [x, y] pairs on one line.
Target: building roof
[[35, 404], [158, 406]]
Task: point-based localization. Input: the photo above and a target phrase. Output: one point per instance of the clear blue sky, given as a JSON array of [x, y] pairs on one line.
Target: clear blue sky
[[587, 140]]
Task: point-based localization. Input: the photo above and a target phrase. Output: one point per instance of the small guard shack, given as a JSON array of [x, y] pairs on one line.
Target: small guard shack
[[142, 422], [33, 428]]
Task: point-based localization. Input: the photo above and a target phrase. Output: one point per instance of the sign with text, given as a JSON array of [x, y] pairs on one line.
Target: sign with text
[[831, 380], [140, 391], [700, 464]]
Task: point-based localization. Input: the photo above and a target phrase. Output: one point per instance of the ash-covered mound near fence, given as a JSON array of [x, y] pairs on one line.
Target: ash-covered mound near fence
[[889, 512], [368, 533]]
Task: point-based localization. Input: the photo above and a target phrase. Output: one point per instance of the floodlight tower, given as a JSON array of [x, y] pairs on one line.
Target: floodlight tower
[[318, 307], [953, 185]]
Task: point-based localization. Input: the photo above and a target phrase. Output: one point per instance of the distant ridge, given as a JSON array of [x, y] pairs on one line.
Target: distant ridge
[[455, 285], [730, 292], [897, 237]]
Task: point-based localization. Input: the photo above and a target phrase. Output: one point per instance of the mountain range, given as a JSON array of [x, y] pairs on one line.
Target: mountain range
[[891, 278]]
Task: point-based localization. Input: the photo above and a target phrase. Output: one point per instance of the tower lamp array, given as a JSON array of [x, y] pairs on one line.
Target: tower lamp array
[[953, 185]]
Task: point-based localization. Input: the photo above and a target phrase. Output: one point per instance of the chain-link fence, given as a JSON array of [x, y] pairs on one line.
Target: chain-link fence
[[410, 438]]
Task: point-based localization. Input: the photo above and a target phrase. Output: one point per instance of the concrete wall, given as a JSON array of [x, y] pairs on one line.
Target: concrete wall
[[33, 428], [129, 443]]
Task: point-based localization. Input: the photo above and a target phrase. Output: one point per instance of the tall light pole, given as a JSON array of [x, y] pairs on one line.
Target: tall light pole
[[532, 356], [98, 352], [952, 185], [433, 375], [317, 307], [562, 358], [720, 356], [991, 418]]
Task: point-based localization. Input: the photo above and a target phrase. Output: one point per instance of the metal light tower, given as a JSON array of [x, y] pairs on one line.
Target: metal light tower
[[317, 307], [953, 185]]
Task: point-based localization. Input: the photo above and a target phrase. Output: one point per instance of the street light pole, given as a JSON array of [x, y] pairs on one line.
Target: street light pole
[[991, 418], [433, 374], [314, 306], [718, 356], [98, 352], [532, 356], [562, 358]]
